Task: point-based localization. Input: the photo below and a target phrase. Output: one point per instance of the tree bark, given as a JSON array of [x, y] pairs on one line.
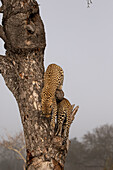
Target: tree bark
[[23, 70]]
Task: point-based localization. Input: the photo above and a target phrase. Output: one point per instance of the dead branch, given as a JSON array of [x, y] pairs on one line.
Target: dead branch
[[19, 153], [74, 113], [15, 144]]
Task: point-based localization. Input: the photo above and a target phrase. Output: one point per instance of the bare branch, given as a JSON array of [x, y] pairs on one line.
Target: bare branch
[[74, 113], [15, 144], [22, 148], [15, 150]]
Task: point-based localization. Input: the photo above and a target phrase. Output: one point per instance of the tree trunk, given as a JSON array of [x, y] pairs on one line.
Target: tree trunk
[[23, 71]]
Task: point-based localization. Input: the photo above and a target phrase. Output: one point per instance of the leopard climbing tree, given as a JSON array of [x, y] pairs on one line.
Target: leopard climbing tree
[[22, 68]]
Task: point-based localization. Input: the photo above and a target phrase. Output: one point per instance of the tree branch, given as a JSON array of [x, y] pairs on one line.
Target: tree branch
[[74, 113], [15, 150], [22, 148]]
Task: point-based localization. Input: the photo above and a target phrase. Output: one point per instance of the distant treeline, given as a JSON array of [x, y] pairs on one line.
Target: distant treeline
[[94, 152]]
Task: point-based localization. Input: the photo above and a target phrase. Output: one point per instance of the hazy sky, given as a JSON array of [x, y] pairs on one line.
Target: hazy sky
[[80, 40]]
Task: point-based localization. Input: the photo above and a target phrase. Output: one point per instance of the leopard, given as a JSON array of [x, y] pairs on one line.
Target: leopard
[[64, 110], [53, 80]]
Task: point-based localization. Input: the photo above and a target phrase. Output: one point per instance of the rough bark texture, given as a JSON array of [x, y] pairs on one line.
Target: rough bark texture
[[23, 69]]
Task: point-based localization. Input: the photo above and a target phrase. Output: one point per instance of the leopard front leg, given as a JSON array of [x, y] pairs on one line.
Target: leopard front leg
[[54, 113], [67, 126], [60, 121], [59, 130]]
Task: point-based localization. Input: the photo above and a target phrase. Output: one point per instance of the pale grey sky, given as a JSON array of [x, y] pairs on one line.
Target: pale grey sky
[[80, 40]]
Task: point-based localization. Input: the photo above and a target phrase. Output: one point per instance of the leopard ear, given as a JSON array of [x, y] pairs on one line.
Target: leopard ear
[[72, 106]]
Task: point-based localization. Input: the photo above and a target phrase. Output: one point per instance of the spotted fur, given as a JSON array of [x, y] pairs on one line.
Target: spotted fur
[[53, 80], [64, 117]]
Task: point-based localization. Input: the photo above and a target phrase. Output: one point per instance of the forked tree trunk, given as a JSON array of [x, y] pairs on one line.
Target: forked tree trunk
[[23, 69]]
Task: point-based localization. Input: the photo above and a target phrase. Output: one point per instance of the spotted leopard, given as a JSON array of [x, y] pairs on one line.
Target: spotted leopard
[[53, 80], [64, 117]]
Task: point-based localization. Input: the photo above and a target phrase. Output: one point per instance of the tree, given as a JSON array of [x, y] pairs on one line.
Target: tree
[[94, 152], [75, 157], [15, 144], [9, 159], [99, 146], [23, 70]]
